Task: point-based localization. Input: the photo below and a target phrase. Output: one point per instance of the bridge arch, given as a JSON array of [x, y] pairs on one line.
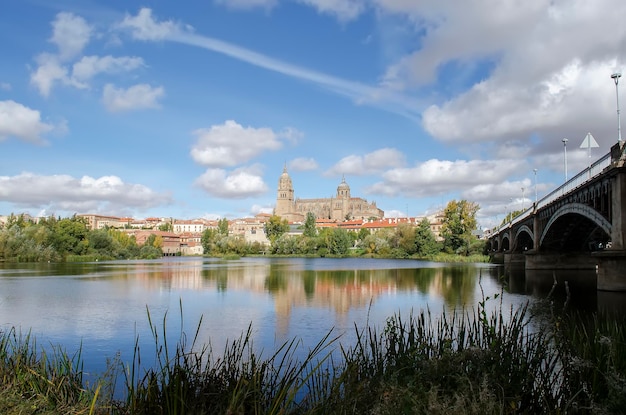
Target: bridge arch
[[524, 238], [592, 226], [506, 242]]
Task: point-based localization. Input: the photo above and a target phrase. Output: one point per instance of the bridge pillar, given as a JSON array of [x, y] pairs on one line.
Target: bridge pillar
[[560, 261], [612, 261], [536, 230], [618, 204], [611, 270]]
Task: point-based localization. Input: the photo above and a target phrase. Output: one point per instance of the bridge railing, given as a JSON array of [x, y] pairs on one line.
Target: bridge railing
[[573, 183]]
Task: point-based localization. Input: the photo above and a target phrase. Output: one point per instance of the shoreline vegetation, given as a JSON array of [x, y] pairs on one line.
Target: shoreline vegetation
[[70, 240], [467, 362]]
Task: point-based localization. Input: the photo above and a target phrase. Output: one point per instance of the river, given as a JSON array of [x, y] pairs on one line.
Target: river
[[103, 307]]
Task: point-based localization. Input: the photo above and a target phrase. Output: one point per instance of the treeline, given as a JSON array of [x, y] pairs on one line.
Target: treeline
[[403, 241], [55, 239]]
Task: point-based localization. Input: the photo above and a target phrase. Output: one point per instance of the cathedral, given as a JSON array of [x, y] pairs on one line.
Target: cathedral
[[339, 208]]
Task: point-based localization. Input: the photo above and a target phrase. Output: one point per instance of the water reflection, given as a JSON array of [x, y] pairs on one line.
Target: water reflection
[[103, 305]]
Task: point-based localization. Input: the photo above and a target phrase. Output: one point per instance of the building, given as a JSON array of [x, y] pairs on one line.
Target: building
[[171, 242], [341, 207], [95, 221], [193, 226], [252, 229]]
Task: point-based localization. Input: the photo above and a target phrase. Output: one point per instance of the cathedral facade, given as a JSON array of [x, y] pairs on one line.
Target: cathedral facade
[[341, 207]]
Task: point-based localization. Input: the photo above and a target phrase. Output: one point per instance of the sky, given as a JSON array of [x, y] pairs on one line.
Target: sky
[[192, 109]]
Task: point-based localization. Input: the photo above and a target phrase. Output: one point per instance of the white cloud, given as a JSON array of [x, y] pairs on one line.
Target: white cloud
[[291, 134], [238, 184], [343, 10], [89, 66], [49, 72], [144, 27], [436, 177], [231, 144], [136, 97], [497, 108], [511, 69], [5, 86], [256, 209], [70, 33], [17, 120], [370, 163], [71, 194], [303, 164]]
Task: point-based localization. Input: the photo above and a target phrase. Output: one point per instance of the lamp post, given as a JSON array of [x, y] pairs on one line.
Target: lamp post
[[522, 199], [616, 77], [565, 156], [535, 171]]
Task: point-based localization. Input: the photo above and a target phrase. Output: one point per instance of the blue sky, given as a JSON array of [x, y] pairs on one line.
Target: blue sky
[[191, 109]]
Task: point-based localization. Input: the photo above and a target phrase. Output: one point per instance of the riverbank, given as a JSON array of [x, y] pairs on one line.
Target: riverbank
[[477, 362]]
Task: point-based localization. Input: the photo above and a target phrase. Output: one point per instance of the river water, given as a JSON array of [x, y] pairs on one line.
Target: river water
[[103, 307]]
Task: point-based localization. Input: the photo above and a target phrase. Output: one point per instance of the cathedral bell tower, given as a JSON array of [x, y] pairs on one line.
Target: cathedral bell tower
[[284, 198], [343, 190]]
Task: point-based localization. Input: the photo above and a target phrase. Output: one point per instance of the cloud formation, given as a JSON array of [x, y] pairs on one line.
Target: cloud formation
[[136, 97], [371, 163], [84, 194], [237, 184], [17, 120], [436, 177], [70, 33], [231, 144]]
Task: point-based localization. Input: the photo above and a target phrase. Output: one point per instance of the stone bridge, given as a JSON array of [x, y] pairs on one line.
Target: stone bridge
[[580, 225]]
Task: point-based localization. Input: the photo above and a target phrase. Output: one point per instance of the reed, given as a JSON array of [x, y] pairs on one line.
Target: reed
[[190, 378], [457, 363], [468, 361], [52, 379]]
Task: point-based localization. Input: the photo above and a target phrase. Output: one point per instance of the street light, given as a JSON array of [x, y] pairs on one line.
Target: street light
[[616, 77], [522, 199], [535, 171], [565, 156]]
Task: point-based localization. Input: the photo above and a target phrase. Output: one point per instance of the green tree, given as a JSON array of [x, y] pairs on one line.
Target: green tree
[[70, 236], [309, 225], [285, 245], [101, 241], [166, 227], [222, 226], [208, 240], [154, 240], [405, 238], [458, 223], [425, 242], [363, 232], [275, 227], [338, 241]]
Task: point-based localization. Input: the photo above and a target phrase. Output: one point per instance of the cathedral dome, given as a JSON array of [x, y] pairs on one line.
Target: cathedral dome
[[343, 185], [343, 190]]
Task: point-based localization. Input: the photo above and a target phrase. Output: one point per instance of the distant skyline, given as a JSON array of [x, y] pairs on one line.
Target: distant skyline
[[191, 110]]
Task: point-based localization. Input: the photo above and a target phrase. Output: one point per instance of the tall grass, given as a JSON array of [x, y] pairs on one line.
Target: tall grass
[[456, 363], [466, 362], [52, 377], [191, 379]]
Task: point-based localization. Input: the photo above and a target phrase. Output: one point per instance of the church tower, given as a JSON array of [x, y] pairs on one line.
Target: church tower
[[343, 190], [284, 198]]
